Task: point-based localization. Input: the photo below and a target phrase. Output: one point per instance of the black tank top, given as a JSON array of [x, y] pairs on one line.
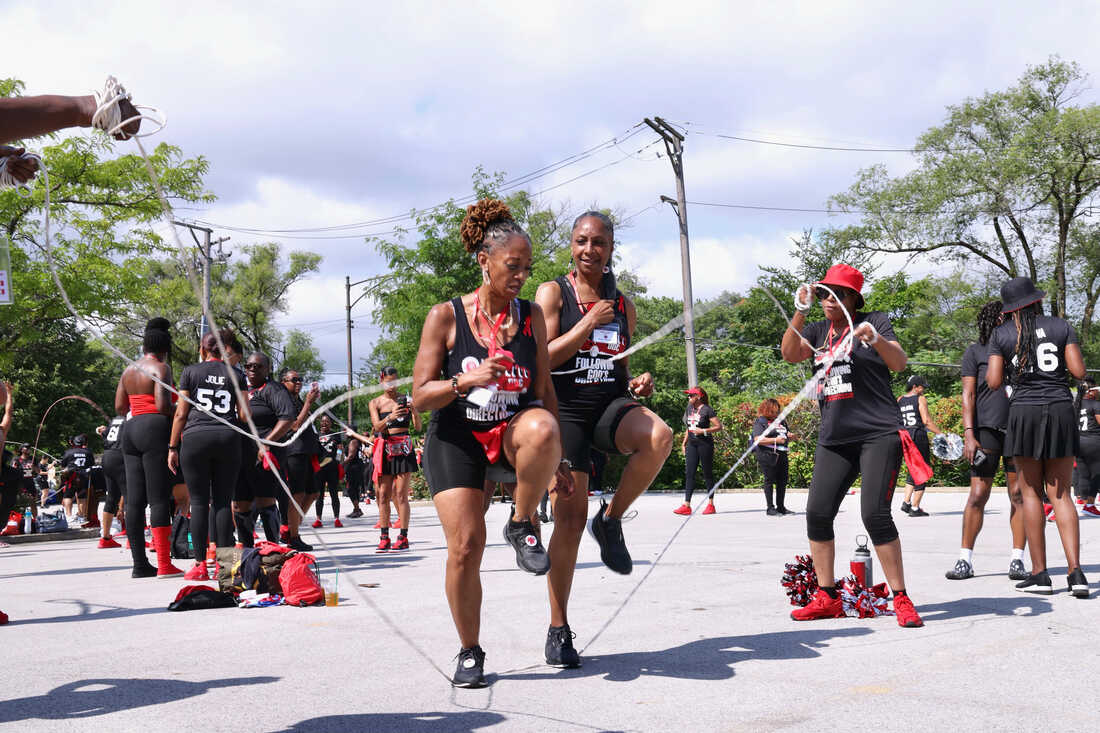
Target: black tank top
[[599, 379], [402, 423], [513, 392], [909, 406]]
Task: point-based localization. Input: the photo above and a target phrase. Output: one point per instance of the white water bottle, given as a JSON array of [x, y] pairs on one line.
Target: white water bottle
[[28, 521]]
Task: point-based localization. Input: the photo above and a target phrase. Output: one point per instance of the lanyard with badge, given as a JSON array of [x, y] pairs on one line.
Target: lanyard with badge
[[607, 335]]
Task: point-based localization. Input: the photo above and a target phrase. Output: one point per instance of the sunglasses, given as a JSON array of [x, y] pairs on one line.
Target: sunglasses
[[250, 366], [296, 380], [823, 294]]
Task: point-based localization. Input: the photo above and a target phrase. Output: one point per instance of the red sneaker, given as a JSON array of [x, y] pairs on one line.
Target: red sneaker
[[709, 509], [401, 543], [682, 510], [3, 618], [822, 606], [317, 524], [197, 572], [284, 533], [107, 543], [1080, 500], [384, 544], [1091, 509], [906, 613], [378, 524], [337, 523]]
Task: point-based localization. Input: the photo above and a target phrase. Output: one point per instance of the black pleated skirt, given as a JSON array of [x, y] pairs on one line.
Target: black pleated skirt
[[1042, 431]]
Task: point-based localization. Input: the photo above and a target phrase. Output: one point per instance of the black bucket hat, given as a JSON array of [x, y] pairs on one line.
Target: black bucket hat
[[916, 381], [1019, 292]]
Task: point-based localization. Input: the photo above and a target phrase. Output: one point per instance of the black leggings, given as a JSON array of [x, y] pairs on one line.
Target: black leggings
[[699, 453], [775, 466], [211, 461], [114, 476], [836, 467], [353, 474], [328, 478], [145, 451], [1087, 474]]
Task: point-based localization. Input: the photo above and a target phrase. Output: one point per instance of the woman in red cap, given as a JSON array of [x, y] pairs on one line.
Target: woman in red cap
[[1036, 351], [861, 432], [698, 446]]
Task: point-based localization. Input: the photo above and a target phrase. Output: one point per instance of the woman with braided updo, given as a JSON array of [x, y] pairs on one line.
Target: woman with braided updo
[[482, 369], [1035, 352]]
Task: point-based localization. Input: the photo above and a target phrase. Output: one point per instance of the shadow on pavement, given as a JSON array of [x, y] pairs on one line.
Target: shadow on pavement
[[705, 659], [111, 695], [405, 722], [1022, 605], [66, 571], [87, 614]]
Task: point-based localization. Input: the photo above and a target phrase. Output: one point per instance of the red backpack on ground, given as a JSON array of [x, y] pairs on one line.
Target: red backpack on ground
[[298, 579]]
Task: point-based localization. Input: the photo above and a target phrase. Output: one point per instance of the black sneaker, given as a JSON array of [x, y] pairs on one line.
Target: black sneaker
[[783, 510], [961, 571], [608, 533], [1078, 586], [543, 518], [148, 570], [559, 648], [530, 554], [918, 512], [470, 671], [1017, 571], [906, 507], [772, 512], [1037, 583], [296, 543], [355, 514]]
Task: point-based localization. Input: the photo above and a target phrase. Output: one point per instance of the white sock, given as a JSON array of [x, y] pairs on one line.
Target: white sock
[[965, 554], [1018, 553]]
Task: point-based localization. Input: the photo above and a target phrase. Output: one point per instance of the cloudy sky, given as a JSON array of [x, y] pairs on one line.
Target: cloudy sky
[[352, 112]]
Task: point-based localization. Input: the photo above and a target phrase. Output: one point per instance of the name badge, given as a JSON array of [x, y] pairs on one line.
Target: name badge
[[481, 396], [607, 335]]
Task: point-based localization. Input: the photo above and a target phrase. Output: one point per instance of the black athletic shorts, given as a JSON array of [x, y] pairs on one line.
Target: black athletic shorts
[[993, 445], [454, 458], [74, 485], [1042, 431], [258, 482], [578, 429]]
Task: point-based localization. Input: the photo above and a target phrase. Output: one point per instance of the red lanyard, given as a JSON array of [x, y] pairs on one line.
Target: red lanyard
[[577, 294], [829, 343], [494, 330]]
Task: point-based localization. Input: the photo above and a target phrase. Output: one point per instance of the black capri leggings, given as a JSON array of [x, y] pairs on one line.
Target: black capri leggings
[[1087, 475], [698, 453], [775, 465], [114, 476], [353, 474], [836, 468], [145, 451], [211, 461], [328, 478]]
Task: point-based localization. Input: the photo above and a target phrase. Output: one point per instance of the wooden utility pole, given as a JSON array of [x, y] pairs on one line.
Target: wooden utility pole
[[674, 145], [348, 303], [205, 248]]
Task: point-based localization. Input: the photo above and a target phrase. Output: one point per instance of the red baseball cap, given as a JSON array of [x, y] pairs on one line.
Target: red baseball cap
[[845, 276], [694, 391]]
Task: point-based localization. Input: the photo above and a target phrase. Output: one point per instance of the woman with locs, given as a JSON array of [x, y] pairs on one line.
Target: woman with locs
[[207, 449], [861, 432], [772, 455], [482, 369], [394, 457], [588, 322], [984, 418], [145, 450], [700, 423], [1035, 352]]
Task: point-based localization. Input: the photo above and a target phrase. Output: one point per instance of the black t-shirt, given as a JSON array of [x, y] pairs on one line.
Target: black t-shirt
[[779, 431], [306, 444], [1044, 379], [210, 384], [112, 439], [909, 408], [27, 466], [78, 458], [855, 397], [700, 418], [1087, 420], [991, 410], [330, 444], [269, 404]]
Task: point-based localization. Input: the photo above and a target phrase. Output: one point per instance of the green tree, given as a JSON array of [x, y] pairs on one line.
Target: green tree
[[1004, 184], [299, 353]]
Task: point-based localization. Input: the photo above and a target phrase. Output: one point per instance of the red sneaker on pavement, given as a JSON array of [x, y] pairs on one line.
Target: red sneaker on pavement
[[107, 543], [906, 613], [3, 618], [1091, 509], [384, 544], [317, 524], [197, 572], [401, 543], [284, 533], [1080, 500], [378, 524], [822, 606], [709, 509], [337, 523], [682, 510], [1048, 510]]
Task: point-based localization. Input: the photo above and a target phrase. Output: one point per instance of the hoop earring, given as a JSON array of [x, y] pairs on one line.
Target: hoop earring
[[606, 269]]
